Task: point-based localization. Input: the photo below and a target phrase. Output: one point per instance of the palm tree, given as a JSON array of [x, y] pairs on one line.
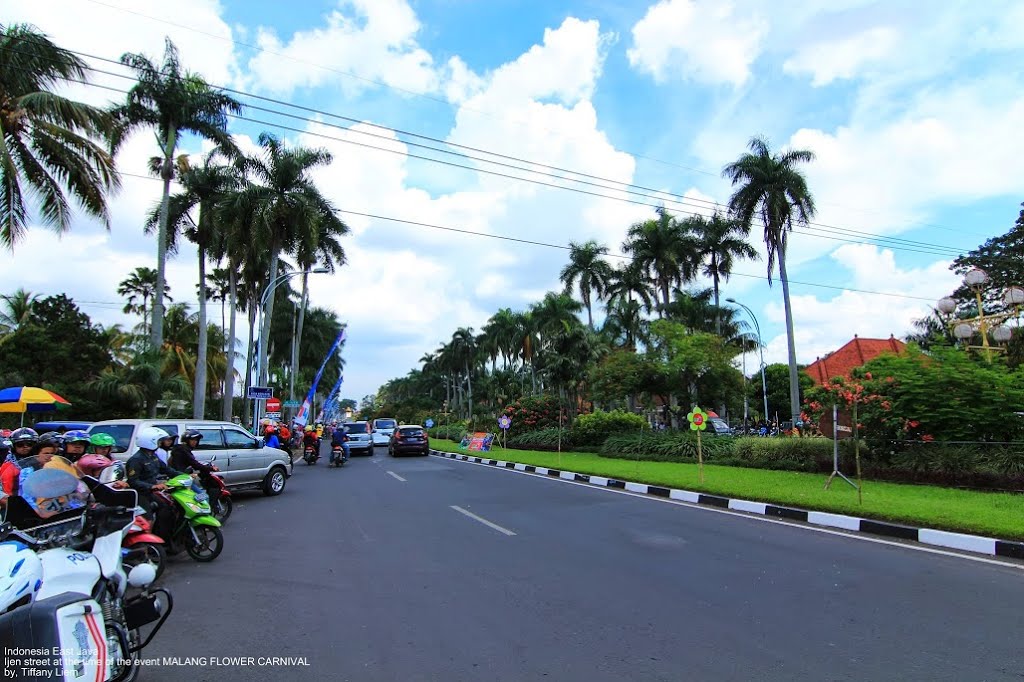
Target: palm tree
[[629, 279], [720, 242], [771, 189], [464, 353], [18, 309], [139, 382], [140, 284], [48, 147], [173, 102], [283, 202], [202, 188], [589, 269], [665, 254], [317, 245]]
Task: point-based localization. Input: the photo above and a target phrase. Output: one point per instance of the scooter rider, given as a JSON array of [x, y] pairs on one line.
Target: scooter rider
[[75, 443], [143, 469], [182, 457], [340, 437], [23, 441]]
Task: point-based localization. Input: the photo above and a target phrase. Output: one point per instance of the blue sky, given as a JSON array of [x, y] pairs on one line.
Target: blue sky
[[914, 117]]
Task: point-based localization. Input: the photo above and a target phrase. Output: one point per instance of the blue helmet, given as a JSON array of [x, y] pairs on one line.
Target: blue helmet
[[76, 436]]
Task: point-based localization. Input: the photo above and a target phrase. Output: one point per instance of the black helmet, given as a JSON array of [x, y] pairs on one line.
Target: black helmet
[[50, 438], [191, 434], [24, 434]]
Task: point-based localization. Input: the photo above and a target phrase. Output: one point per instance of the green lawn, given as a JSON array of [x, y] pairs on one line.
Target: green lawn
[[992, 514]]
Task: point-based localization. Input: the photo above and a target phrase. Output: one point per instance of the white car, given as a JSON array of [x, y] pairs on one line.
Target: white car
[[382, 430]]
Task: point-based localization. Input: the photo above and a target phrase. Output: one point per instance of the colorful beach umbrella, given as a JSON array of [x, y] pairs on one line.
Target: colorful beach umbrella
[[30, 399]]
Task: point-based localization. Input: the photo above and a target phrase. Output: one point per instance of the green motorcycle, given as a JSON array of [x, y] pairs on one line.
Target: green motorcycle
[[195, 529]]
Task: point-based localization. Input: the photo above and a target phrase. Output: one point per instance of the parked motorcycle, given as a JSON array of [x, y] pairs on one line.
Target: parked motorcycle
[[142, 545], [221, 504], [195, 529], [74, 614], [311, 454]]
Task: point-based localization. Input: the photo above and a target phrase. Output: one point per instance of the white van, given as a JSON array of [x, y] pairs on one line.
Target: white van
[[244, 459], [382, 430]]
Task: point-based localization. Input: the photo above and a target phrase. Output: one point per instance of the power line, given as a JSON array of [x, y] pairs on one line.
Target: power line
[[812, 229], [621, 186]]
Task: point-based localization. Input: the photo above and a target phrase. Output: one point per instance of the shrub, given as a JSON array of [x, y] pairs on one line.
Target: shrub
[[666, 446], [534, 413], [793, 454], [542, 439], [452, 432], [595, 428]]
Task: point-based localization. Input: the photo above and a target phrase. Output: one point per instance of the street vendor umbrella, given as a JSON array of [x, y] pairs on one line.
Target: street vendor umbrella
[[30, 399]]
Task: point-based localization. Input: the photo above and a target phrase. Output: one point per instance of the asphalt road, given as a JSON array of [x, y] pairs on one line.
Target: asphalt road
[[371, 573]]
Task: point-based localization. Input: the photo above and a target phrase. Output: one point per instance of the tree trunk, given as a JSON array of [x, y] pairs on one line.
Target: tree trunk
[[156, 338], [250, 361], [794, 379], [297, 340], [199, 388], [268, 315], [664, 295], [469, 385], [718, 310], [229, 372], [590, 316]]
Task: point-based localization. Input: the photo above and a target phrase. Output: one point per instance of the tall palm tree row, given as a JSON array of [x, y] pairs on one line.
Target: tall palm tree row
[[172, 101], [771, 188]]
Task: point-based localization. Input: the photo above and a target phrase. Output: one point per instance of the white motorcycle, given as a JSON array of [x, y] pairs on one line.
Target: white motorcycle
[[63, 589]]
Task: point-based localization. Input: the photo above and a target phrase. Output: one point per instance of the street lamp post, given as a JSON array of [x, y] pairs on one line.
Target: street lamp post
[[760, 345], [261, 350], [977, 280]]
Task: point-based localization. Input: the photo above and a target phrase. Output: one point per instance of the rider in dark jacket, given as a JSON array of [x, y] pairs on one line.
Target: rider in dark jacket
[[182, 457], [144, 468]]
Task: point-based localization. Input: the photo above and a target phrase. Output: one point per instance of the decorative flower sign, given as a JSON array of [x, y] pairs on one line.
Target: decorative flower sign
[[698, 419], [504, 421]]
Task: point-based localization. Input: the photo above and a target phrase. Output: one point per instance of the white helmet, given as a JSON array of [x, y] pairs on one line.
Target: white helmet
[[24, 577], [149, 436]]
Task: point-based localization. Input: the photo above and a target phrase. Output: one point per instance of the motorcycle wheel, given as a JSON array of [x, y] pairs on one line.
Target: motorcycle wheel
[[153, 554], [211, 542], [222, 508]]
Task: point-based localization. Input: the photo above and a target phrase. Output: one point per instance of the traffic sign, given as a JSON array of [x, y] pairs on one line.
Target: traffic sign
[[291, 403], [273, 405], [260, 392]]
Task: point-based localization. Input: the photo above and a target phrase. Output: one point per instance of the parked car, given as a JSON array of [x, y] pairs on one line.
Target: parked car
[[359, 440], [382, 430], [719, 427], [244, 459], [409, 439]]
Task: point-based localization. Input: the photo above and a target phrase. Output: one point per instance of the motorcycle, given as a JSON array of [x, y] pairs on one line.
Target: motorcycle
[[338, 457], [141, 545], [221, 504], [195, 529], [311, 454], [63, 532]]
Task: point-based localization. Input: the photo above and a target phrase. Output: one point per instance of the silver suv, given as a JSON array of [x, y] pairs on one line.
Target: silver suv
[[244, 460]]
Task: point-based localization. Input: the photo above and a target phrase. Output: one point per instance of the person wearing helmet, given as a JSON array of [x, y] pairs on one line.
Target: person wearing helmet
[[272, 440], [144, 468], [309, 439], [23, 441], [102, 444], [164, 445], [183, 457], [5, 451], [75, 443]]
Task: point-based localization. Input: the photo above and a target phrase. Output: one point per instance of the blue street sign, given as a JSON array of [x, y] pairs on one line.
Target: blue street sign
[[429, 423], [260, 392]]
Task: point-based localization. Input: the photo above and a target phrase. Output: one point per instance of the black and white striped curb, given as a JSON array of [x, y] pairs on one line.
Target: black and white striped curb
[[928, 536]]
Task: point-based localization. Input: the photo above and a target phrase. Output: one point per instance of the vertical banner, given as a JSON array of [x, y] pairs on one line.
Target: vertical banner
[[331, 401], [302, 416]]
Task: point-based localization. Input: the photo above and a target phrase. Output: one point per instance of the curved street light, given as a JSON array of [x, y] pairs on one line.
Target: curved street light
[[760, 345], [977, 280], [261, 349]]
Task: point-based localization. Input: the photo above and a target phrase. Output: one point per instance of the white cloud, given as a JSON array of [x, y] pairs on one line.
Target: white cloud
[[840, 59], [363, 42], [823, 325], [702, 40]]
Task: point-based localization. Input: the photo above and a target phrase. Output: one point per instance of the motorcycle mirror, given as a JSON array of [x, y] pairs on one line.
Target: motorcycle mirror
[[142, 575]]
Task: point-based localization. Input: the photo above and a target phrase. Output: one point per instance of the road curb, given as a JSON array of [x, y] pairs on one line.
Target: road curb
[[928, 536]]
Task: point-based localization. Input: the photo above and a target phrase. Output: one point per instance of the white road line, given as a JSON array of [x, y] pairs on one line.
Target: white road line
[[484, 521], [763, 519], [396, 476]]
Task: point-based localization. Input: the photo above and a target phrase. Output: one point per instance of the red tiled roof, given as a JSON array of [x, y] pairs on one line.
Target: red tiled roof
[[852, 355]]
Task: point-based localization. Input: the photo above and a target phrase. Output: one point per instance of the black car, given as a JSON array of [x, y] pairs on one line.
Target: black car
[[409, 440]]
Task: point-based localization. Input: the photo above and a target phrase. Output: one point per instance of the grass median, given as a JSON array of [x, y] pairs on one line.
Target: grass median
[[967, 511]]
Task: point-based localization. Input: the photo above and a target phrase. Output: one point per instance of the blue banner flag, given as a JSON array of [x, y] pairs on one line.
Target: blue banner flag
[[302, 417]]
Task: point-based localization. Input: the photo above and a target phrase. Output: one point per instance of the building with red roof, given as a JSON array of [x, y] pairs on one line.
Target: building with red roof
[[854, 354]]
